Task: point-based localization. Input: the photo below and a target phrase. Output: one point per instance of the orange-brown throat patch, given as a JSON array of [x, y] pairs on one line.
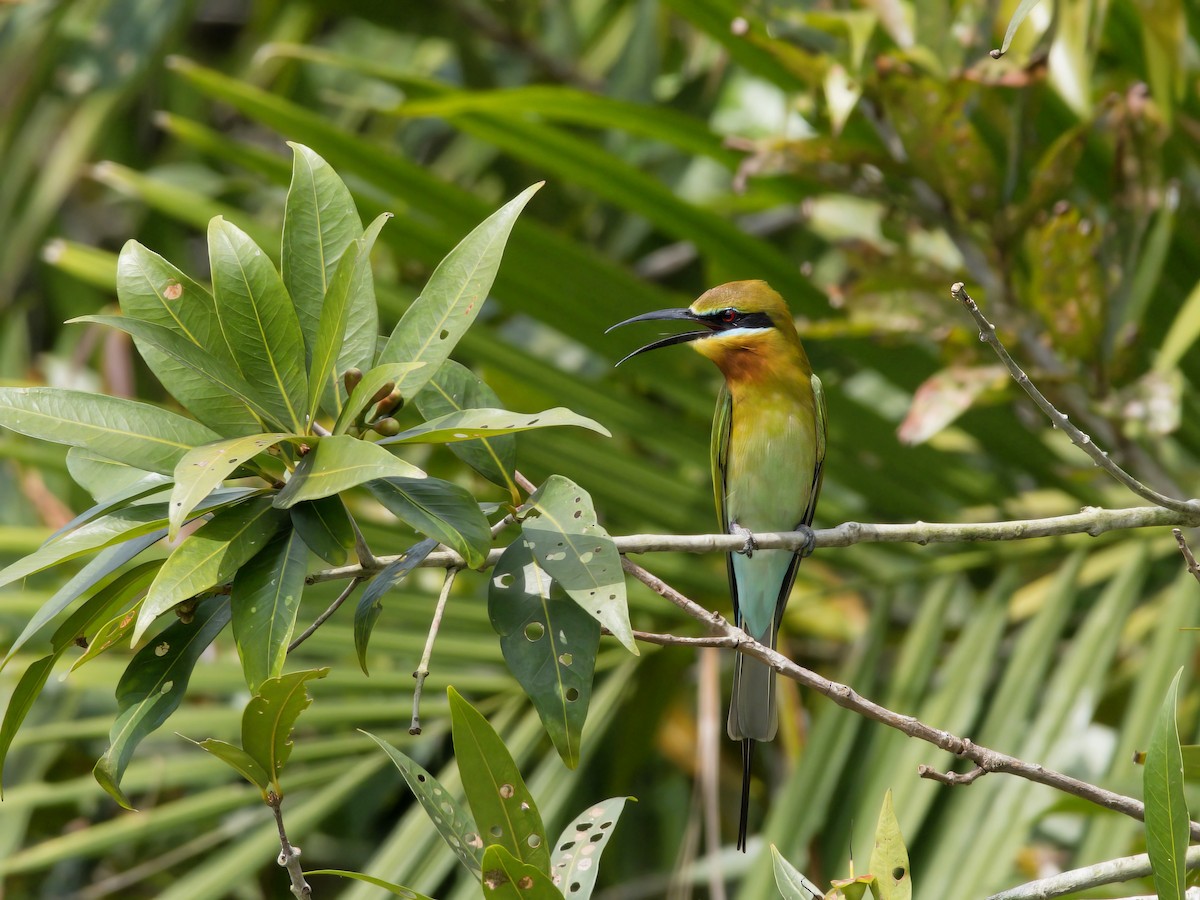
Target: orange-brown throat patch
[[757, 357]]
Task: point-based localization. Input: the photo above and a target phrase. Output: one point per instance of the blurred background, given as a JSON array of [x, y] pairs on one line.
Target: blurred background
[[861, 156]]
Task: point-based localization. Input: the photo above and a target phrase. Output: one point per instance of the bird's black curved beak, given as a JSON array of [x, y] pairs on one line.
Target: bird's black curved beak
[[685, 314]]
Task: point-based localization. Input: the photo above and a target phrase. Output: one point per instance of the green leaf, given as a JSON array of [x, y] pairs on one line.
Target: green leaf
[[791, 883], [124, 431], [338, 462], [270, 716], [549, 644], [506, 877], [501, 804], [152, 688], [324, 525], [452, 821], [370, 604], [110, 634], [320, 223], [372, 382], [260, 322], [150, 484], [395, 889], [103, 478], [452, 297], [438, 509], [454, 388], [475, 423], [265, 598], [576, 854], [201, 470], [222, 375], [889, 859], [238, 760], [20, 702], [1023, 10], [560, 525], [210, 556], [342, 306], [105, 563], [1167, 821], [151, 289]]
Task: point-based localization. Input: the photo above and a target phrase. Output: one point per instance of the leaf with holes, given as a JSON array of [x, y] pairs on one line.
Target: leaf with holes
[[1166, 806], [203, 469], [453, 388], [791, 883], [325, 526], [507, 878], [452, 821], [265, 597], [152, 688], [430, 328], [500, 802], [397, 890], [549, 644], [370, 604], [270, 716], [438, 509], [470, 424], [575, 859], [113, 632], [889, 859], [559, 522]]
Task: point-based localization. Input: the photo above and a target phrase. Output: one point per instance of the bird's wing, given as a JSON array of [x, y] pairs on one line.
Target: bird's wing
[[719, 455], [819, 457]]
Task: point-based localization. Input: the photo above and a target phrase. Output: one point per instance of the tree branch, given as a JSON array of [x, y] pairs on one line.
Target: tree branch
[[1093, 520], [1126, 868], [289, 855], [986, 759], [987, 332]]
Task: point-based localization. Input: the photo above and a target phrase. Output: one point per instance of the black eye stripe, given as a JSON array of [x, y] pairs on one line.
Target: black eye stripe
[[721, 321]]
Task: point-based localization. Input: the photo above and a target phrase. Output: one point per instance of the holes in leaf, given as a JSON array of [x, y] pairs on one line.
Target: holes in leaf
[[596, 837], [575, 886], [534, 841], [578, 513], [606, 824], [572, 694], [565, 659], [505, 580], [445, 334], [421, 777], [534, 631], [567, 846], [526, 883], [496, 831], [898, 873], [506, 791]]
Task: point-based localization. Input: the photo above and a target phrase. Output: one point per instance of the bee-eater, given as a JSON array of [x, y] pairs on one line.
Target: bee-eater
[[768, 453]]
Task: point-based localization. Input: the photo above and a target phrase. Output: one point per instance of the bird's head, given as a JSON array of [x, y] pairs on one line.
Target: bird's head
[[740, 322]]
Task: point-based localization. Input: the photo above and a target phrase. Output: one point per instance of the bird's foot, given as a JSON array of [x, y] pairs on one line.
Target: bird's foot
[[810, 541], [751, 545]]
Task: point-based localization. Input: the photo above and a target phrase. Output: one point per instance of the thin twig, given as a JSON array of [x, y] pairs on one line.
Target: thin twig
[[987, 333], [708, 716], [1126, 868], [423, 667], [1188, 557], [1092, 521], [289, 856], [320, 620], [987, 759], [951, 778]]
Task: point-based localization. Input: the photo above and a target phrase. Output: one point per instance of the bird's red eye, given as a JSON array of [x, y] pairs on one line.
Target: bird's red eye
[[729, 315]]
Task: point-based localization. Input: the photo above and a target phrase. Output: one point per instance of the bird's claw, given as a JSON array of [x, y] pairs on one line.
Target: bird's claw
[[750, 545], [810, 541]]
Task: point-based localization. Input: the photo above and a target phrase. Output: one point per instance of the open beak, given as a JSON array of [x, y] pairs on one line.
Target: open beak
[[685, 314]]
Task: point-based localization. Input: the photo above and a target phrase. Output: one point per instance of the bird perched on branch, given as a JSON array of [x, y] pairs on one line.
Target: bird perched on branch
[[768, 453]]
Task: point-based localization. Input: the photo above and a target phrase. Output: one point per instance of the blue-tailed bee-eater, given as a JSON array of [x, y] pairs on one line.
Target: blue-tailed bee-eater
[[768, 453]]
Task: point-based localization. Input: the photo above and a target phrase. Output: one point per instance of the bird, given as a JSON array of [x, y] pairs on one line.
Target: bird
[[768, 463]]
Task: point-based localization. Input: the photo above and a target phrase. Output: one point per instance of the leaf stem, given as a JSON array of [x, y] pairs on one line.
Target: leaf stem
[[320, 620], [423, 667]]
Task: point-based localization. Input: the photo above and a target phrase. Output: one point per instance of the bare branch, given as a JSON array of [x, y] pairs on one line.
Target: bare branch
[[1092, 521], [423, 667], [987, 332], [1126, 868], [320, 620], [1188, 557], [984, 758], [289, 855], [951, 778]]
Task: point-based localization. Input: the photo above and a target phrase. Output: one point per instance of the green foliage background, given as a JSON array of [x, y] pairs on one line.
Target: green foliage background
[[859, 156]]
